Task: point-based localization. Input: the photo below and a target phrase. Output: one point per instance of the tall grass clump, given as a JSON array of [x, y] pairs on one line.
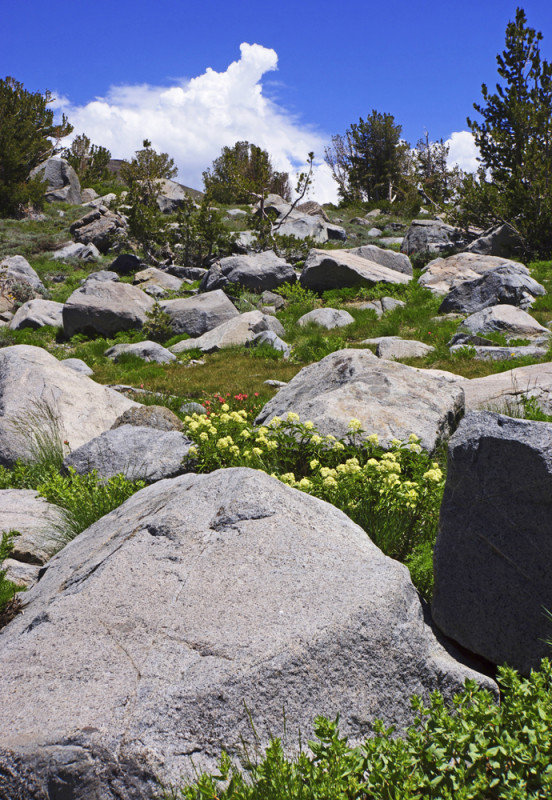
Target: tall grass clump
[[393, 493]]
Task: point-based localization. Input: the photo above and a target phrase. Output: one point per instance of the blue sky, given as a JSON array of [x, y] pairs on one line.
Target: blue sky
[[124, 71]]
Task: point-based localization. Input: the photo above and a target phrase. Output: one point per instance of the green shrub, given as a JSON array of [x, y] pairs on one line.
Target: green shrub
[[474, 750], [7, 588], [158, 326]]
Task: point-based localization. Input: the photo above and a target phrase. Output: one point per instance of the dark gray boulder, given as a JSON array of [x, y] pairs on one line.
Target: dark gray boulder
[[99, 227], [139, 453], [506, 284], [494, 548], [62, 182], [258, 271], [431, 236], [126, 263], [500, 240], [336, 269], [193, 608]]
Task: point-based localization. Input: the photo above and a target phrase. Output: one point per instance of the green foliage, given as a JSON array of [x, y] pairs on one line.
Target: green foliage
[[368, 160], [88, 160], [7, 588], [437, 181], [394, 495], [84, 498], [157, 327], [242, 173], [143, 175], [25, 132], [474, 750], [514, 139], [198, 233]]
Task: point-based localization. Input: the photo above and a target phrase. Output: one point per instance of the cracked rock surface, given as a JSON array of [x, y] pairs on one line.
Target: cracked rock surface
[[200, 601]]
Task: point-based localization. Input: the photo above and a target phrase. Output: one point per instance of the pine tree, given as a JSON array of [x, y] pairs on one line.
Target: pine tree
[[26, 129], [515, 143], [242, 174]]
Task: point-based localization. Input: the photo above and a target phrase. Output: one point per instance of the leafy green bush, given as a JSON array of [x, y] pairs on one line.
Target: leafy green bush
[[157, 327], [394, 495], [474, 750], [7, 588]]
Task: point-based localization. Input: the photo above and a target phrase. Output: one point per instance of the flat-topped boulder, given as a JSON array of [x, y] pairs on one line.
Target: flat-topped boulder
[[36, 314], [394, 348], [105, 307], [137, 659], [239, 330], [506, 319], [328, 318], [199, 314], [442, 275], [390, 399], [257, 271], [157, 277], [40, 396], [336, 269], [138, 453], [494, 548], [387, 258], [148, 351]]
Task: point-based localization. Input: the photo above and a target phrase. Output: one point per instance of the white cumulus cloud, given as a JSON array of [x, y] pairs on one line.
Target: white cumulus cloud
[[463, 151], [194, 119]]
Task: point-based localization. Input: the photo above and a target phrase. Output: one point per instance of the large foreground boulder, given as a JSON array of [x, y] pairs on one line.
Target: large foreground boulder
[[201, 604], [259, 271], [494, 549], [390, 399], [38, 395], [105, 307], [336, 269]]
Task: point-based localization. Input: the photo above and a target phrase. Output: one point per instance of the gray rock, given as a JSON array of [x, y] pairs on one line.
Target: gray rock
[[235, 332], [187, 273], [493, 552], [395, 348], [497, 353], [157, 277], [375, 212], [387, 258], [506, 319], [327, 318], [442, 275], [36, 313], [98, 227], [258, 271], [390, 304], [138, 658], [374, 232], [336, 233], [431, 236], [23, 575], [139, 453], [148, 351], [158, 417], [336, 269], [502, 285], [35, 519], [199, 314], [245, 241], [272, 339], [105, 308], [87, 195], [500, 240], [372, 305], [391, 240], [38, 393], [171, 197], [272, 299], [275, 384], [313, 208], [62, 182], [360, 221], [102, 276], [389, 399], [77, 365], [17, 269], [83, 252], [236, 213], [504, 392]]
